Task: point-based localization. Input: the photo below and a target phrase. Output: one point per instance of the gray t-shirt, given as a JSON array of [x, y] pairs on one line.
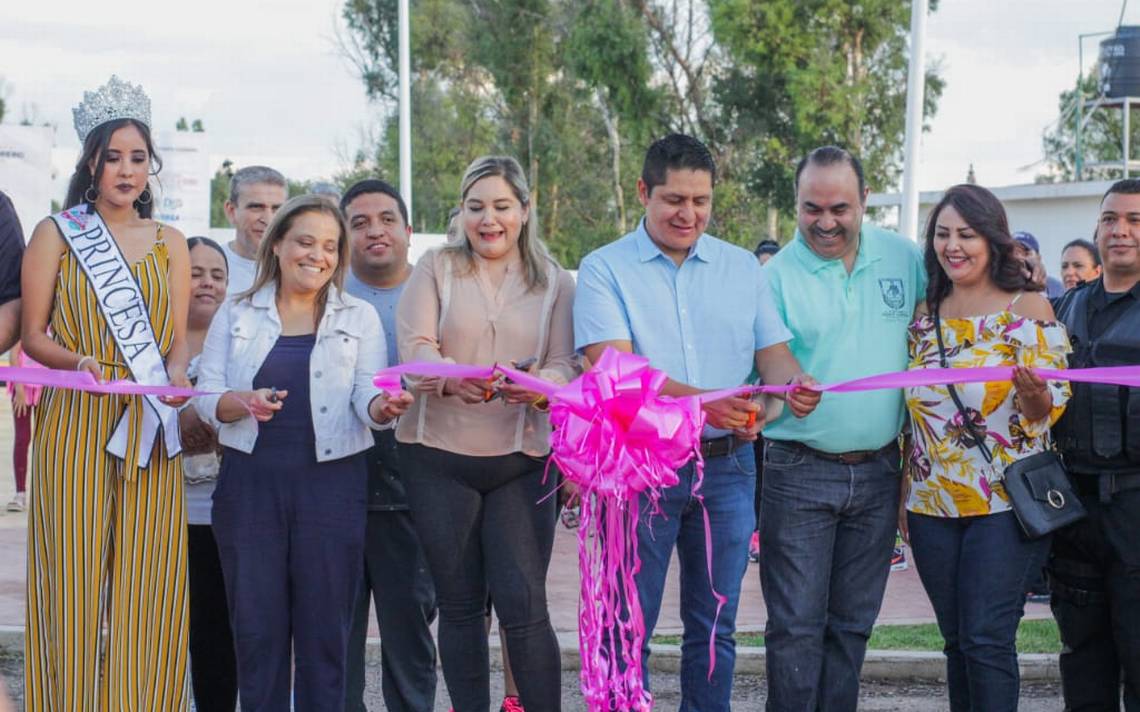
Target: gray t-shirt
[[384, 302]]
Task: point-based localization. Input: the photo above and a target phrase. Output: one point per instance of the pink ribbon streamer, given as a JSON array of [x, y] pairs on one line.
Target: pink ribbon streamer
[[618, 439], [84, 381]]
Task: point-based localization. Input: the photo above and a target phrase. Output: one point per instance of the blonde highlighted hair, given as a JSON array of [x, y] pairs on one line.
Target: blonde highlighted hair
[[535, 256]]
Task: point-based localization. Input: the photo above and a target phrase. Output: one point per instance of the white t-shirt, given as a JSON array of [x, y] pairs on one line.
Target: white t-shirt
[[242, 271]]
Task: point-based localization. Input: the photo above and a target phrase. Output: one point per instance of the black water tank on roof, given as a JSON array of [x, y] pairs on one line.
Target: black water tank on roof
[[1120, 63]]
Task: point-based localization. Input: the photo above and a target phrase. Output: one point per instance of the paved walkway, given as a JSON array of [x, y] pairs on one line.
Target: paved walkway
[[905, 600]]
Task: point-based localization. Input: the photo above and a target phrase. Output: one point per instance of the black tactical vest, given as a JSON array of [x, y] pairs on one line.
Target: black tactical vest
[[1100, 430]]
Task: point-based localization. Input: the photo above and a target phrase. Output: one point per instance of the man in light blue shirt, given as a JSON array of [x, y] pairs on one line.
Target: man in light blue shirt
[[829, 504], [395, 569], [701, 311]]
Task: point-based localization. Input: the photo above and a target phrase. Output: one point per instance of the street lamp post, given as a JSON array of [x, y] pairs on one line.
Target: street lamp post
[[405, 107]]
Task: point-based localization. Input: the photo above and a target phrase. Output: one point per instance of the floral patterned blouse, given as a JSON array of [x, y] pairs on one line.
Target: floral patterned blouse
[[949, 476]]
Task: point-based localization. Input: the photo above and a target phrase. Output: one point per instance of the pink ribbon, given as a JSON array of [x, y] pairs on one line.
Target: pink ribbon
[[618, 438], [1115, 375], [84, 381]]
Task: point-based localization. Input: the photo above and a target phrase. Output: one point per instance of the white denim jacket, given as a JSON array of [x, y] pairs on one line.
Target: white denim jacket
[[349, 350]]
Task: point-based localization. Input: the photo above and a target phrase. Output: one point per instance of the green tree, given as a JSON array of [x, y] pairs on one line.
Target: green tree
[[220, 193], [576, 89], [476, 92], [809, 72]]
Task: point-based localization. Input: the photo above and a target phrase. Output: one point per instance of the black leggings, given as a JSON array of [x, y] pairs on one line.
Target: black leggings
[[487, 525]]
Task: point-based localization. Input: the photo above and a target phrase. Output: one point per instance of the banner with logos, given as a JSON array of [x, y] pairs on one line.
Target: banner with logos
[[183, 195]]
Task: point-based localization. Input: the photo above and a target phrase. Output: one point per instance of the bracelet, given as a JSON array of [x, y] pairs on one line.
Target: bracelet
[[79, 366], [541, 404]]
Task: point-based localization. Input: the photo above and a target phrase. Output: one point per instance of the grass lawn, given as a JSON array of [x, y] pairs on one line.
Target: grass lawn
[[1033, 636]]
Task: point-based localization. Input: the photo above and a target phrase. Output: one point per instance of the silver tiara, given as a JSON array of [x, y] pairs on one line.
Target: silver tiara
[[114, 100]]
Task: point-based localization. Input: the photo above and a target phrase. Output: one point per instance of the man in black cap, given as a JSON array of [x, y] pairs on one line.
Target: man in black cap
[[1031, 248], [1095, 564], [765, 250]]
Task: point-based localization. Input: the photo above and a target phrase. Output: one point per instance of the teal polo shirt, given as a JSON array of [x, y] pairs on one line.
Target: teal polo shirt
[[848, 326]]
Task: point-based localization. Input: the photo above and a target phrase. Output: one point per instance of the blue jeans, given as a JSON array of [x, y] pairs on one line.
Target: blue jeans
[[827, 530], [975, 570], [729, 483]]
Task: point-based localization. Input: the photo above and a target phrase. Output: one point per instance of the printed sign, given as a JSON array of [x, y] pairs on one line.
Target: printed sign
[[183, 185]]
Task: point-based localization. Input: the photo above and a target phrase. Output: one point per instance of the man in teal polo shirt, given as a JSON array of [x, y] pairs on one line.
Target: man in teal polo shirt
[[847, 291]]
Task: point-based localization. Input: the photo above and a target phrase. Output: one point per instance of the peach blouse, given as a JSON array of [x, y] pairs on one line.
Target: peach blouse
[[451, 314]]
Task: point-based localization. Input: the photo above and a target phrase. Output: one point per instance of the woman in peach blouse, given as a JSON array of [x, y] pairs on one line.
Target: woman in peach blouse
[[476, 450]]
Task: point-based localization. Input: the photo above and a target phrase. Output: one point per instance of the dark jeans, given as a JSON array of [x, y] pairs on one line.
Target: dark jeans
[[1095, 573], [758, 448], [486, 523], [828, 530], [397, 580], [213, 668], [727, 493], [974, 570]]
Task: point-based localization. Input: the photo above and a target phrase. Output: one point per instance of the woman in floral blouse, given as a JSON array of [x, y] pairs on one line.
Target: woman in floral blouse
[[971, 555]]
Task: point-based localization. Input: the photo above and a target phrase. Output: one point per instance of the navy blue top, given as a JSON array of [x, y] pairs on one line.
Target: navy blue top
[[286, 368]]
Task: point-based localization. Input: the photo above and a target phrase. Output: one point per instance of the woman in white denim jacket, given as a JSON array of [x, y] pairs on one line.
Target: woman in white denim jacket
[[290, 363]]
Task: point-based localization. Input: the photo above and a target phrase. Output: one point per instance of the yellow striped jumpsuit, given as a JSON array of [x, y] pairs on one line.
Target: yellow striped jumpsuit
[[106, 591]]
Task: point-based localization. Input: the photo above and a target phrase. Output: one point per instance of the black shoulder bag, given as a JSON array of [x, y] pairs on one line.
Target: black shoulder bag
[[1039, 490]]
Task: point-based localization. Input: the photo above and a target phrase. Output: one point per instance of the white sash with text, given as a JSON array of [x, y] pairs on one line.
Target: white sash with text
[[125, 311]]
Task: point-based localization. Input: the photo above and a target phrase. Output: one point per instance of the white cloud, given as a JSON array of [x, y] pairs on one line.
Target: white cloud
[[1005, 64], [265, 77]]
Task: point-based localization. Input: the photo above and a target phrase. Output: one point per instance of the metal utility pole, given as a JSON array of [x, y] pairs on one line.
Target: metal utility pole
[[915, 91], [405, 107]]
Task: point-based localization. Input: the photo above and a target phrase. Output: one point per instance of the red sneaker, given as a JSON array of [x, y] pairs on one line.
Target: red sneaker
[[511, 704], [754, 548]]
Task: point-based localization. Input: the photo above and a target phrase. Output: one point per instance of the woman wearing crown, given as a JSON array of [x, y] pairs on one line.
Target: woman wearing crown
[[107, 597]]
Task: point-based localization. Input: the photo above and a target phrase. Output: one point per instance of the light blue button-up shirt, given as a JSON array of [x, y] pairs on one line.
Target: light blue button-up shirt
[[848, 326], [701, 323]]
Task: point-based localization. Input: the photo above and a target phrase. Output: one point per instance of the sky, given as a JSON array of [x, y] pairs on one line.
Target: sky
[[271, 85]]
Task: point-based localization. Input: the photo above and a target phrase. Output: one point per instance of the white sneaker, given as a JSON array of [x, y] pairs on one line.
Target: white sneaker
[[19, 503]]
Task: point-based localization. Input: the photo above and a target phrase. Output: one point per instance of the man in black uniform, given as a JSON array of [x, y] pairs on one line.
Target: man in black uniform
[[1095, 563]]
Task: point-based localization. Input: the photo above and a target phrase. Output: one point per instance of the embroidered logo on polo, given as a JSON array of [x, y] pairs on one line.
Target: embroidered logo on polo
[[893, 293]]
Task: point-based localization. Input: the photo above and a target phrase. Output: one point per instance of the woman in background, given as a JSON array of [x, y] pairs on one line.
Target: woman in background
[[25, 397], [1080, 262], [213, 670]]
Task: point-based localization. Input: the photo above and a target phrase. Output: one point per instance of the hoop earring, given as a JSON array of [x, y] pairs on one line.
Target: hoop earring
[[87, 194], [149, 197]]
